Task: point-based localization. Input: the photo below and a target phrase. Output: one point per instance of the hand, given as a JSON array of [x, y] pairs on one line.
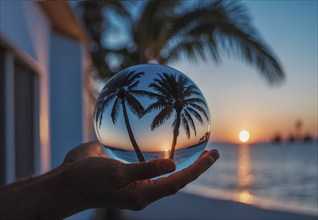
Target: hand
[[103, 182], [88, 178]]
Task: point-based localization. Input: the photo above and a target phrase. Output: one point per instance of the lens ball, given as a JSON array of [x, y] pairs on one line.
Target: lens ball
[[152, 111]]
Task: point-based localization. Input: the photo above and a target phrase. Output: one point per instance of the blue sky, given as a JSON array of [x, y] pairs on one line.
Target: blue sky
[[238, 96]]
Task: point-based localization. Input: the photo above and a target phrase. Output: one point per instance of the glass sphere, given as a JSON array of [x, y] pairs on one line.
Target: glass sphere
[[152, 111]]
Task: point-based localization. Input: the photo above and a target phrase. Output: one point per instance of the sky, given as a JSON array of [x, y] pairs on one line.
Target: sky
[[159, 139], [239, 98]]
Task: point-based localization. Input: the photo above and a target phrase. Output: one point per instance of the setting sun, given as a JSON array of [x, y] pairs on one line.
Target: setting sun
[[244, 136]]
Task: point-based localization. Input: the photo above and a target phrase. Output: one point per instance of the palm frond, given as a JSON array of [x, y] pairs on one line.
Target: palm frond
[[185, 125], [190, 91], [134, 105], [162, 116], [194, 100], [200, 109], [156, 106], [161, 91], [132, 76], [115, 110], [195, 114], [102, 104], [190, 120], [202, 31], [133, 85], [144, 93]]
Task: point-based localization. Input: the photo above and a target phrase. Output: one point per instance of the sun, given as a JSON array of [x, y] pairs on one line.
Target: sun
[[244, 136]]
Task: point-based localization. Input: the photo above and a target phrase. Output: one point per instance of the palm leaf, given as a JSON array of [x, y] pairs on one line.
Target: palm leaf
[[103, 104], [162, 116], [134, 105], [156, 106], [200, 109], [189, 91], [185, 125], [190, 120], [230, 27], [195, 113], [133, 85], [194, 100], [143, 93], [115, 110], [132, 76], [161, 91]]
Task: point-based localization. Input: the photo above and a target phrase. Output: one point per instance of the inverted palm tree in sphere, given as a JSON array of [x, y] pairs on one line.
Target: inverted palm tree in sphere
[[122, 92], [177, 97]]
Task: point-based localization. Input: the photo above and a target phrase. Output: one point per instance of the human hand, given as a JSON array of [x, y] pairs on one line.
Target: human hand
[[99, 181], [88, 178]]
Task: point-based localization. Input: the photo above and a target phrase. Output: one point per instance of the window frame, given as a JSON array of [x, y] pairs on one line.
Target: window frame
[[12, 56]]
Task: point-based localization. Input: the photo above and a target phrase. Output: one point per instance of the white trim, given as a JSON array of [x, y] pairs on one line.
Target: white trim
[[9, 119], [41, 141], [36, 124], [20, 54], [87, 118]]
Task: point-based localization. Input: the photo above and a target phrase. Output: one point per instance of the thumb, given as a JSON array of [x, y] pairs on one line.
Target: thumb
[[148, 169]]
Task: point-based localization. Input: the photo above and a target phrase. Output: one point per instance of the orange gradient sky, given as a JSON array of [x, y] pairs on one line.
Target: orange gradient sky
[[159, 139], [238, 96]]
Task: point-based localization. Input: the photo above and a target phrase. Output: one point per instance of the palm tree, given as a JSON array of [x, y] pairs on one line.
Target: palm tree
[[92, 15], [165, 31], [175, 95], [298, 126], [121, 92]]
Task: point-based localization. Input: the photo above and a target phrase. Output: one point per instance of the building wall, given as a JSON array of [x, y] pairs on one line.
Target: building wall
[[26, 31], [58, 61], [66, 101]]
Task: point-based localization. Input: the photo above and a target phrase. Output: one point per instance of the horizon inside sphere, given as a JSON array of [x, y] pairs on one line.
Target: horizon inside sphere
[[152, 111]]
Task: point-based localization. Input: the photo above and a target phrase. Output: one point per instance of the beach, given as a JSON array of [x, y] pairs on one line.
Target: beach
[[260, 181], [189, 206]]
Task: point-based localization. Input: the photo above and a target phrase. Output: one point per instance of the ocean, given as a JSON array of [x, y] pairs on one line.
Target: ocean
[[272, 176]]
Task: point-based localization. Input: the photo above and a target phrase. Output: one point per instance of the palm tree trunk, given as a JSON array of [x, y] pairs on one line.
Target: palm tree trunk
[[175, 135], [130, 133]]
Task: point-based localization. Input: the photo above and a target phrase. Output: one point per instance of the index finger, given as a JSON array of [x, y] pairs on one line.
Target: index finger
[[170, 185]]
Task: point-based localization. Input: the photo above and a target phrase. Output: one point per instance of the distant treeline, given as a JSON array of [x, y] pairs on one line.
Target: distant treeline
[[296, 136], [293, 138]]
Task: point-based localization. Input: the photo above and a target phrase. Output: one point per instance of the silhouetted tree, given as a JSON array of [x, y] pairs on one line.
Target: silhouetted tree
[[205, 137], [121, 92], [298, 126], [308, 137], [277, 138], [165, 31], [179, 98], [291, 138]]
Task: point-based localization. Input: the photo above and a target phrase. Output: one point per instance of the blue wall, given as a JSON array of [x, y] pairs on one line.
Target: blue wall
[[66, 96]]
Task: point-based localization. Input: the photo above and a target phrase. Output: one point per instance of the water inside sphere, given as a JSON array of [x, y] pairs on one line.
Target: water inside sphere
[[151, 111]]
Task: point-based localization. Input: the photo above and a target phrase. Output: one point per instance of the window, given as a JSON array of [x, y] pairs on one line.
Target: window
[[18, 117], [2, 117], [24, 108]]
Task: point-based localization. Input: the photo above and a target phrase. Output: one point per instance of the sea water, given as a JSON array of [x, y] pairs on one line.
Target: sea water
[[152, 111], [274, 176], [182, 157]]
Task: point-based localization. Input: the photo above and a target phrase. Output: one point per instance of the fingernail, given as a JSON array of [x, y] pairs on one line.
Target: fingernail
[[167, 166], [216, 155]]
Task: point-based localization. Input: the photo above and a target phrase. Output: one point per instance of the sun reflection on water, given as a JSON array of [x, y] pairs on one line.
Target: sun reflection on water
[[244, 176], [166, 153]]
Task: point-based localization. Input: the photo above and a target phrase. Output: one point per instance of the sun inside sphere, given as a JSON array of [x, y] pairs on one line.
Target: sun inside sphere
[[152, 111], [244, 136]]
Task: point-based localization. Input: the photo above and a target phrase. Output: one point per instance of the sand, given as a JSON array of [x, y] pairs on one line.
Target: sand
[[187, 206]]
